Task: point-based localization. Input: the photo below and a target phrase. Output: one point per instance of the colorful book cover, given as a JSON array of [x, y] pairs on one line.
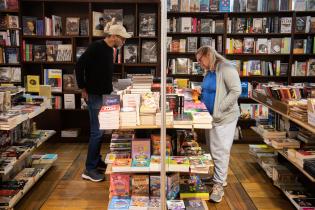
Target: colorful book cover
[[194, 204], [139, 203], [53, 77], [178, 164], [172, 186], [140, 165], [155, 185], [119, 184], [119, 203], [175, 205], [155, 164], [224, 6], [155, 203], [32, 83], [121, 164], [140, 185], [141, 149]]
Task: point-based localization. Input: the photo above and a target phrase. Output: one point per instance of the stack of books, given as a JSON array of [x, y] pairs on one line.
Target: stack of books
[[285, 143], [169, 118], [141, 83], [128, 117], [202, 120], [183, 120], [109, 114]]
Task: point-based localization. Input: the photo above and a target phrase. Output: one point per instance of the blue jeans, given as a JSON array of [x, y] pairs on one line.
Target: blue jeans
[[93, 156]]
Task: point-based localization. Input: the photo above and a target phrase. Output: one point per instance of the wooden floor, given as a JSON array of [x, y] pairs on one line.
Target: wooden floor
[[63, 189]]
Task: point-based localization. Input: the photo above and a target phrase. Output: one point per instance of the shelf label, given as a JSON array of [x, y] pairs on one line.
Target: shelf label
[[269, 101]]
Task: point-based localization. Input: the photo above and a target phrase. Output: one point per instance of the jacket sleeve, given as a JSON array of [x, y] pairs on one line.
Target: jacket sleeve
[[80, 68], [232, 82]]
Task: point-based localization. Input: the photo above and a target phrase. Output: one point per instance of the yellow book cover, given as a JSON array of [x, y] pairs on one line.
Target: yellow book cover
[[182, 83], [32, 83]]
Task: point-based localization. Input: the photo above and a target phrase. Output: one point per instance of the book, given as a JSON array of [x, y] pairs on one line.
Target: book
[[129, 24], [224, 6], [147, 25], [155, 185], [69, 82], [148, 52], [178, 164], [53, 77], [98, 23], [112, 17], [140, 185], [119, 184], [175, 205], [286, 25], [249, 45], [130, 53], [121, 164], [275, 45], [56, 25], [262, 46], [64, 52], [139, 203], [154, 203], [72, 26], [141, 149], [192, 44], [79, 52], [195, 204], [69, 101], [84, 26], [39, 53], [29, 25], [32, 83], [119, 203]]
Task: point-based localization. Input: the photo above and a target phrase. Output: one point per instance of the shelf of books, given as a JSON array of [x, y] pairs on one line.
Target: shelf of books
[[293, 114], [26, 179]]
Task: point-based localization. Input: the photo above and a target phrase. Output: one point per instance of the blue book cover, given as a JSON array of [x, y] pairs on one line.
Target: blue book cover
[[109, 100], [39, 27], [224, 6], [204, 5], [119, 203], [244, 85], [141, 163]]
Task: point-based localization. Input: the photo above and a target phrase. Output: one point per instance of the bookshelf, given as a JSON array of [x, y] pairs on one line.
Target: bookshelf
[[84, 10]]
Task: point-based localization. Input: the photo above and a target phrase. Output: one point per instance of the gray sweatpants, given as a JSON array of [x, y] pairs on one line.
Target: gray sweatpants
[[220, 141]]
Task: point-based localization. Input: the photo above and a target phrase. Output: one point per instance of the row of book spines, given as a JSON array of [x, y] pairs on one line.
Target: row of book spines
[[9, 56], [265, 46], [10, 38], [195, 25], [235, 6], [190, 43], [304, 68], [264, 68]]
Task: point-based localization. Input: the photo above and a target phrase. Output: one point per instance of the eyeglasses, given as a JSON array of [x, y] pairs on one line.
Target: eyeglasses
[[121, 38]]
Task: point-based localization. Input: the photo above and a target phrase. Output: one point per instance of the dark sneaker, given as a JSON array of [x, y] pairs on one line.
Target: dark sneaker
[[101, 166], [93, 175], [217, 193]]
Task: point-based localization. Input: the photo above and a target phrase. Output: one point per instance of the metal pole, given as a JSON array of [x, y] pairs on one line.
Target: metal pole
[[163, 102]]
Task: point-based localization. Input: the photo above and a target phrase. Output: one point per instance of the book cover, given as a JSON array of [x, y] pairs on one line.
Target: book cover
[[148, 52], [32, 83], [224, 6], [276, 45], [141, 148], [204, 5], [112, 17], [154, 203], [129, 23], [53, 77], [56, 25], [119, 184], [72, 26], [69, 82], [140, 185], [139, 203], [29, 25], [84, 26], [172, 186], [64, 52], [194, 5], [130, 53], [249, 45], [147, 25], [52, 49], [119, 203], [69, 101], [79, 52], [39, 53], [257, 25], [300, 24], [262, 46], [286, 25], [175, 205], [194, 204], [214, 5], [155, 185], [192, 44], [98, 23]]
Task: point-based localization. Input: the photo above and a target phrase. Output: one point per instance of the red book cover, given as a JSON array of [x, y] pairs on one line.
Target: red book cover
[[119, 185]]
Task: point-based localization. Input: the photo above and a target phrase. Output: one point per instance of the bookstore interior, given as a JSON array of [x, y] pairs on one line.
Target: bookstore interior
[[156, 124]]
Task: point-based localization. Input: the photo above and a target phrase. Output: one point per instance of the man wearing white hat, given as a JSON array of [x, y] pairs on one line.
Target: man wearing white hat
[[94, 72]]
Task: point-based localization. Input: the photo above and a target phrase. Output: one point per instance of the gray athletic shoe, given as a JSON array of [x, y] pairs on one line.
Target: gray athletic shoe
[[93, 175], [217, 193]]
